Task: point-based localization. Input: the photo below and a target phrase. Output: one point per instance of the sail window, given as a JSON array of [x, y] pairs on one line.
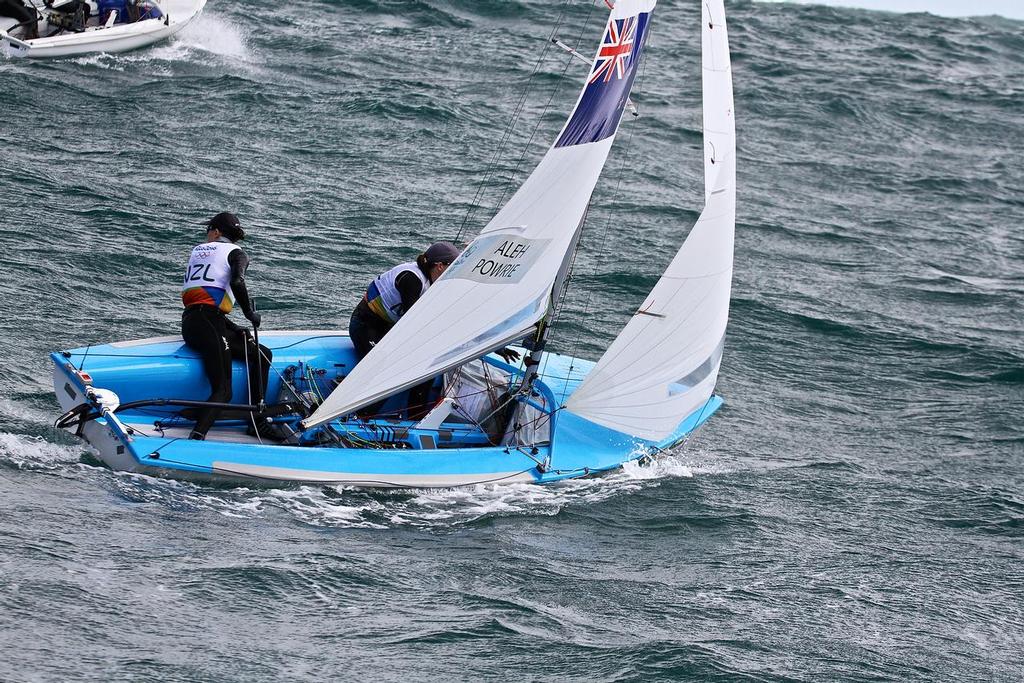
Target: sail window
[[506, 329], [701, 373]]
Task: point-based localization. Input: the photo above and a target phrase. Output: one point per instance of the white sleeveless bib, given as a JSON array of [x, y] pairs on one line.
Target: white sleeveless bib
[[389, 294], [208, 267]]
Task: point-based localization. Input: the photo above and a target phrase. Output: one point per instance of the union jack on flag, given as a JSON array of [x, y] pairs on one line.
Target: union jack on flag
[[616, 49], [599, 109]]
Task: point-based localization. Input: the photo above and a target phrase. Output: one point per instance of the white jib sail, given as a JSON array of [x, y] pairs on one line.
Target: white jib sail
[[664, 364], [500, 286]]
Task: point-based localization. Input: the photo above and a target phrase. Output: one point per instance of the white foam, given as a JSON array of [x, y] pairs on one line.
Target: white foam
[[20, 412], [236, 503], [310, 505], [453, 507], [445, 507], [667, 466], [215, 35], [34, 452], [356, 508], [307, 503]]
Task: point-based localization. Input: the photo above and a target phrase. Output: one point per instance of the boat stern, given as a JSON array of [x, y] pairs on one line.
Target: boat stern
[[107, 434]]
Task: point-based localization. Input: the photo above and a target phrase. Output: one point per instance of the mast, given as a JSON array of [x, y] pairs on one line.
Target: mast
[[532, 361], [506, 280]]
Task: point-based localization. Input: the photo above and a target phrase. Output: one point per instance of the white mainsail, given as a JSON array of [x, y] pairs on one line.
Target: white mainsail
[[664, 364], [500, 286]]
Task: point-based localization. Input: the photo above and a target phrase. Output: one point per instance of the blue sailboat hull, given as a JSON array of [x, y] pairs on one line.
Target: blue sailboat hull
[[152, 439]]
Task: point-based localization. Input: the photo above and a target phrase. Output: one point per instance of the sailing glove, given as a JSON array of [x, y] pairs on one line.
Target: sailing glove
[[510, 355], [254, 318]]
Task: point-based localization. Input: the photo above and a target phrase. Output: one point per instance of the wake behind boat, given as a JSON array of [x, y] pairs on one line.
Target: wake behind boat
[[68, 28], [552, 417]]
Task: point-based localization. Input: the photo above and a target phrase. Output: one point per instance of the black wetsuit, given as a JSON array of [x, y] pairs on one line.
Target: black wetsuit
[[366, 328], [24, 15], [218, 340]]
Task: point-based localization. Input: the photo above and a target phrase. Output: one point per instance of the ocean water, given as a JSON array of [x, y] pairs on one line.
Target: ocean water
[[854, 512]]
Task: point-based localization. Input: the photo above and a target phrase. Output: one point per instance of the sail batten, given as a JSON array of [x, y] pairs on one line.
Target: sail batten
[[663, 367], [501, 285]]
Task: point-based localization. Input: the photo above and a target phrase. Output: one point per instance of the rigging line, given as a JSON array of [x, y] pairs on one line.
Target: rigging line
[[175, 355], [540, 462], [559, 306], [493, 391], [686, 438], [509, 127], [508, 399], [84, 356], [312, 383], [537, 421], [280, 375], [540, 118], [481, 428], [303, 340], [248, 385], [132, 429], [600, 235], [606, 227], [165, 445]]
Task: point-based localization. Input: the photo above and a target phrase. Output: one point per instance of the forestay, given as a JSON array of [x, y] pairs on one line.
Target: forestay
[[664, 363], [501, 285]]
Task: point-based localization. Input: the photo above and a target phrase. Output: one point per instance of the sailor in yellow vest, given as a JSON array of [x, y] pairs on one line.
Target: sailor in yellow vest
[[393, 292], [389, 296], [387, 299], [214, 282]]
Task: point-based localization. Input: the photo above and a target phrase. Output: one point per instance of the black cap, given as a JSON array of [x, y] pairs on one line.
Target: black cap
[[442, 252], [228, 225]]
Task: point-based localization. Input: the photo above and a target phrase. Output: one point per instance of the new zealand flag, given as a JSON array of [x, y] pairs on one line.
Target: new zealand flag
[[600, 108]]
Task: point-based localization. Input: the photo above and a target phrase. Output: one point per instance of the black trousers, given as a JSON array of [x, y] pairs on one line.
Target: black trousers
[[17, 10], [218, 341], [365, 328]]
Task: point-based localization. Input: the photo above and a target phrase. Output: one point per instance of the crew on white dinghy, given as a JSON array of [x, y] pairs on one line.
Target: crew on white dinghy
[[69, 28], [73, 16]]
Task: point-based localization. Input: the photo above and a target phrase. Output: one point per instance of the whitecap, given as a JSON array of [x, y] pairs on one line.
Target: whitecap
[[22, 451], [209, 33]]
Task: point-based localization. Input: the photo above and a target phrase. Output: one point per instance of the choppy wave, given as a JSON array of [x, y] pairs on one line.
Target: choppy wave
[[851, 513]]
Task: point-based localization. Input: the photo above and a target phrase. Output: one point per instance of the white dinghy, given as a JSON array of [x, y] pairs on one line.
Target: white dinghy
[[69, 28]]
